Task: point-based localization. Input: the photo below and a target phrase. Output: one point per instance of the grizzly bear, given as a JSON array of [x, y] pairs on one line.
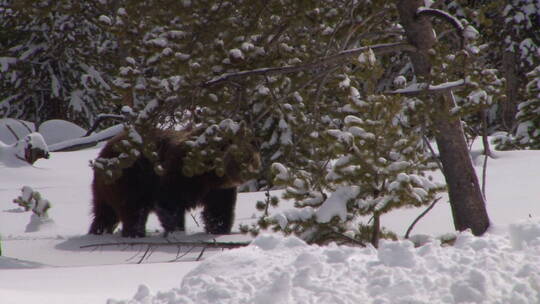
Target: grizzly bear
[[140, 190]]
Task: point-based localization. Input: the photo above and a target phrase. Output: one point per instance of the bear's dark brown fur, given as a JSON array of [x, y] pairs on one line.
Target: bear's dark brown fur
[[131, 197]]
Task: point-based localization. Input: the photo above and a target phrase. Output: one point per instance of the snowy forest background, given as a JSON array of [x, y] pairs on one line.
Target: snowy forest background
[[344, 117]]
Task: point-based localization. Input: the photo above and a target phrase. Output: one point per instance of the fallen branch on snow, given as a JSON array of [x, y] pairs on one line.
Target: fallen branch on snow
[[151, 246], [223, 245]]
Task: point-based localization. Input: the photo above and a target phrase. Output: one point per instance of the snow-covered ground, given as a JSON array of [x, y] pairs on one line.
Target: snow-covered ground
[[43, 261]]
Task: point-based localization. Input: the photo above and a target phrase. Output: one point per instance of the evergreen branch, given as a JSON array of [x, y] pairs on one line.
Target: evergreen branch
[[224, 245], [341, 56], [312, 80]]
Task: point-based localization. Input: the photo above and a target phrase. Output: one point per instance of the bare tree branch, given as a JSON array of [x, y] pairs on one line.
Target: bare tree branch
[[441, 15], [420, 217], [333, 59], [432, 151], [453, 21]]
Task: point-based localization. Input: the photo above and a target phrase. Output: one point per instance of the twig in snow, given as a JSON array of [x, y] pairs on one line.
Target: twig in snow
[[179, 256], [146, 253], [201, 254]]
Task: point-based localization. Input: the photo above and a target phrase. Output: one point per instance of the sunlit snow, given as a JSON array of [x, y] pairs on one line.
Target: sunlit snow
[[46, 264]]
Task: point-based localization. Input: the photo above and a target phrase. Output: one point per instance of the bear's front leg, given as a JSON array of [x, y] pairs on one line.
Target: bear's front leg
[[170, 215], [105, 219], [218, 214]]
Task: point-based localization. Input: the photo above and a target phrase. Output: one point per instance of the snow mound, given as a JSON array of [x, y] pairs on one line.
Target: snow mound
[[275, 269], [56, 130], [20, 127]]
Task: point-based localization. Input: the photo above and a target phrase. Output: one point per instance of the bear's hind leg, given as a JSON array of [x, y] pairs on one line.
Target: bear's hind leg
[[218, 214], [134, 221], [105, 219]]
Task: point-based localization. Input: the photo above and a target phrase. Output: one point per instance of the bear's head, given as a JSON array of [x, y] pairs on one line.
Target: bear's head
[[242, 163]]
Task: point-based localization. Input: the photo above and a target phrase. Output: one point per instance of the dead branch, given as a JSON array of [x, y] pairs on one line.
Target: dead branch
[[146, 254], [201, 254], [441, 15], [179, 256], [420, 217], [333, 59], [432, 151], [453, 21]]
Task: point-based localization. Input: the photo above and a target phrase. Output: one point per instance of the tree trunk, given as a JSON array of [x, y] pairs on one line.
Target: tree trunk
[[376, 235], [510, 106], [466, 199]]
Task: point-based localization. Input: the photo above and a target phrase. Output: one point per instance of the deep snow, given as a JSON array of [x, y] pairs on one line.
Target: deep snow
[[286, 270], [45, 264]]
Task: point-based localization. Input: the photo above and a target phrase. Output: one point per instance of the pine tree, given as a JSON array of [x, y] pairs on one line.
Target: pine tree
[[528, 131], [381, 164], [49, 61], [508, 43], [185, 63]]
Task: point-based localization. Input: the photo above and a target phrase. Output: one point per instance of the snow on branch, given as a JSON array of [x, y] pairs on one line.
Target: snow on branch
[[341, 56], [86, 141], [420, 88], [100, 119]]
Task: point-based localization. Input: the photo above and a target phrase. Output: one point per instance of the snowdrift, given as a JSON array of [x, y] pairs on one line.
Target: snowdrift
[[501, 267]]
